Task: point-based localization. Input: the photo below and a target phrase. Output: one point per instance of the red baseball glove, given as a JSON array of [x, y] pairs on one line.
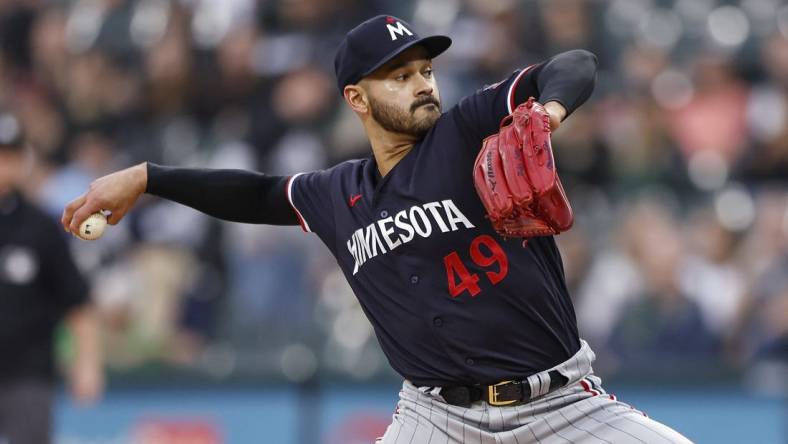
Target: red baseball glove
[[516, 179]]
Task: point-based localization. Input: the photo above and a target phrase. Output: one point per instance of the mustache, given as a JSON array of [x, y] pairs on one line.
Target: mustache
[[425, 101]]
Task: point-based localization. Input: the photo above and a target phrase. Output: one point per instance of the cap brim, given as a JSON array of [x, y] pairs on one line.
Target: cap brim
[[434, 44]]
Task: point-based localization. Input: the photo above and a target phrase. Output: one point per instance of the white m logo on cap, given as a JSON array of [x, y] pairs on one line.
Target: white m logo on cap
[[399, 29]]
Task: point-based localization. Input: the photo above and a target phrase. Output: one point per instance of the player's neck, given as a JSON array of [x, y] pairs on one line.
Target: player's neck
[[389, 148], [388, 157]]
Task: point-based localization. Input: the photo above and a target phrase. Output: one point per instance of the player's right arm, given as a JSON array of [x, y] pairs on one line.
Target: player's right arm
[[234, 195]]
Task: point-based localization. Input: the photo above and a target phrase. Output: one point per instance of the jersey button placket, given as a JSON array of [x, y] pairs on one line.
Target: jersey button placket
[[469, 361], [438, 322], [384, 214], [414, 279]]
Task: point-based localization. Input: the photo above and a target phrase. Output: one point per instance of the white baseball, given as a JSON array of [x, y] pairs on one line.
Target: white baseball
[[93, 227]]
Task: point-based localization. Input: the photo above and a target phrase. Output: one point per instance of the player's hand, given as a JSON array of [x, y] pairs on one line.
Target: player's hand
[[557, 112], [86, 383], [116, 193]]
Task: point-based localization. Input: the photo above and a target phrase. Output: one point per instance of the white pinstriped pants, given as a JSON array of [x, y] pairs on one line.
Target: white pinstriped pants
[[580, 412]]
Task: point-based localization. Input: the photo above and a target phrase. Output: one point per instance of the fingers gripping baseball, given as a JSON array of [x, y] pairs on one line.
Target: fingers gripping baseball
[[81, 209], [68, 212], [115, 193]]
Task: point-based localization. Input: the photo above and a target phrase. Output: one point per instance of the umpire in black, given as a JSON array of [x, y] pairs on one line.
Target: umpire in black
[[39, 287]]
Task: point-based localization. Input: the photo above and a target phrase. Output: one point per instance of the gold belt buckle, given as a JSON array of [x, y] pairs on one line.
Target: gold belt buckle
[[492, 393]]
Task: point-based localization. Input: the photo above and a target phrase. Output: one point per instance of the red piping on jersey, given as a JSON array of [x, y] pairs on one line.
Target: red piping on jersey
[[587, 388], [289, 198], [510, 98]]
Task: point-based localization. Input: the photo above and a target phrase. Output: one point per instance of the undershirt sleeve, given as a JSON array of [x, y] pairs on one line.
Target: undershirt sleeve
[[567, 78], [232, 195]]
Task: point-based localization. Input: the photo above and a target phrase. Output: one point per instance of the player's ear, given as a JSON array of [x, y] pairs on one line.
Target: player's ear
[[356, 97]]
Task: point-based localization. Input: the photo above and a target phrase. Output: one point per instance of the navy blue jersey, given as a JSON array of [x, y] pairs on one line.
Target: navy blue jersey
[[451, 301]]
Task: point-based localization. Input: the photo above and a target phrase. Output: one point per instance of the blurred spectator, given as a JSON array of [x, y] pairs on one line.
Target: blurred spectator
[[660, 325], [768, 323], [710, 275], [767, 114], [712, 121]]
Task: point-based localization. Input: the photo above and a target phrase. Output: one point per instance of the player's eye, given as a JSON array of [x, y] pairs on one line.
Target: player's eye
[[428, 73], [401, 77]]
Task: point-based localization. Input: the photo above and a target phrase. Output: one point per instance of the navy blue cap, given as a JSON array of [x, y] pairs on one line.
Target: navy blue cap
[[376, 41]]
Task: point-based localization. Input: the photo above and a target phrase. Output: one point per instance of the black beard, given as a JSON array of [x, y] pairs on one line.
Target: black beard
[[396, 120]]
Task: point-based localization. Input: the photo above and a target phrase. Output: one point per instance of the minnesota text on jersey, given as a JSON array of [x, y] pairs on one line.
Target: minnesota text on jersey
[[366, 243]]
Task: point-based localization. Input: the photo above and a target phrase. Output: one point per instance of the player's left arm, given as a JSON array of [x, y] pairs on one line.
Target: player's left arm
[[562, 82]]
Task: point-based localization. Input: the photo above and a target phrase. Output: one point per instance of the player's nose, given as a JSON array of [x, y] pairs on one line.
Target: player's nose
[[423, 88]]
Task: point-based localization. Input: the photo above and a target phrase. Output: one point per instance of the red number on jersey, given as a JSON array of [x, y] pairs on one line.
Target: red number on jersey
[[455, 268], [498, 256], [468, 281]]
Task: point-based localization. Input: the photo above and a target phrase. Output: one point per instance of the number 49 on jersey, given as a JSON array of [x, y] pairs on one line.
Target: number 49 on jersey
[[484, 252]]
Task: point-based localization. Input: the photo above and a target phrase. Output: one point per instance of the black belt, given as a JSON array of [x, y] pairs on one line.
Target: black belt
[[504, 393]]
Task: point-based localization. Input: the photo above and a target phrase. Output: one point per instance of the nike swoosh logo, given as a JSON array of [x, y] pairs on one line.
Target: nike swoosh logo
[[354, 199]]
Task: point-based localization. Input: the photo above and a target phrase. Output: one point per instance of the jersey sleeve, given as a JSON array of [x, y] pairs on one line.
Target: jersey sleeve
[[481, 112], [309, 195]]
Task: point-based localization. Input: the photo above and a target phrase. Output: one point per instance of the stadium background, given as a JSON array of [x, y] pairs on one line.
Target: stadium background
[[218, 332]]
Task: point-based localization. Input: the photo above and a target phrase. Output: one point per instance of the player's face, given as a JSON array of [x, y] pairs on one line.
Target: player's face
[[403, 95]]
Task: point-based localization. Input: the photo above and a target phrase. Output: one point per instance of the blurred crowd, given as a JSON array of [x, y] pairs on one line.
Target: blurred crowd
[[676, 168]]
